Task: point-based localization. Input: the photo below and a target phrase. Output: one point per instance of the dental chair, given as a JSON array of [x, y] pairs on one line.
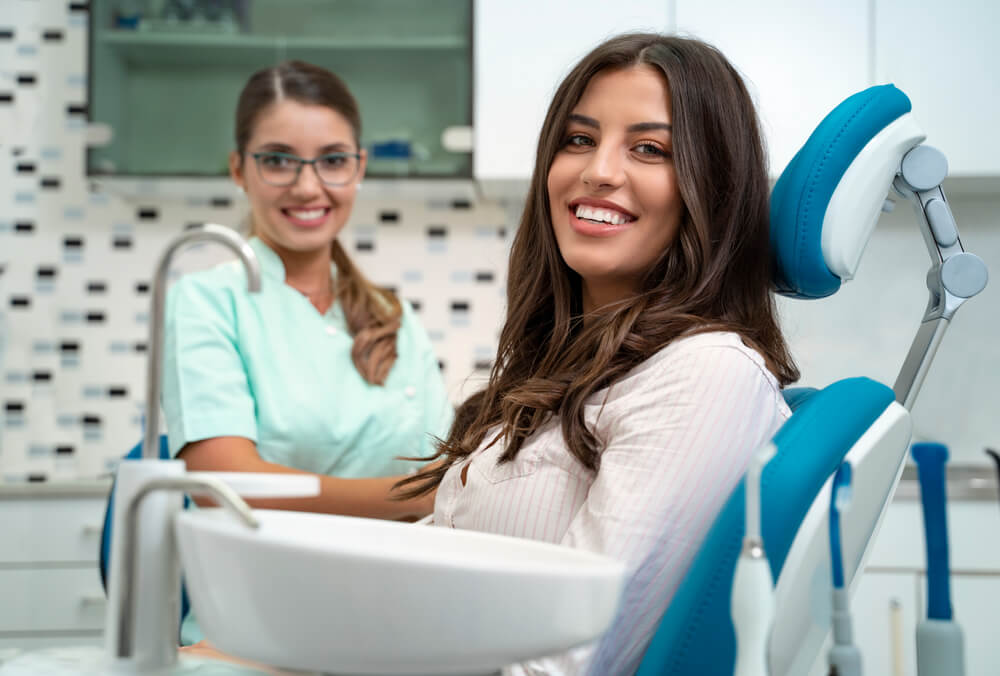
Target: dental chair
[[823, 209]]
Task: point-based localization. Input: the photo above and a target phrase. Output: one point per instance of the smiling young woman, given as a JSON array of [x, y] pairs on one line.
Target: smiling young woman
[[641, 363], [321, 372]]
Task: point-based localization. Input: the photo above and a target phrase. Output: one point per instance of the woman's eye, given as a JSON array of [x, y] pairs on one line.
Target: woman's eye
[[333, 161], [277, 161], [578, 140], [651, 150]]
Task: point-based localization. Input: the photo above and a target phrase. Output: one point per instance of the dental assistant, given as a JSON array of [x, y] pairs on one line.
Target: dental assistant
[[321, 371]]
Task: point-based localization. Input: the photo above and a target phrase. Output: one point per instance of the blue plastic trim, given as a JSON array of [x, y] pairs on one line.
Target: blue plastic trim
[[931, 459], [104, 557], [696, 636], [841, 478], [801, 195]]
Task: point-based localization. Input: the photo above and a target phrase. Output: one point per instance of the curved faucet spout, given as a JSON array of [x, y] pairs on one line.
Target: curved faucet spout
[[154, 368]]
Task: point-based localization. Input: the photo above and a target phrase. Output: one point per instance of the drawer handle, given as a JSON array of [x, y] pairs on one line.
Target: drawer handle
[[93, 601], [90, 530]]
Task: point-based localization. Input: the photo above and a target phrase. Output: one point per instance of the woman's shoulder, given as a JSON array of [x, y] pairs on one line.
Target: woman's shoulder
[[215, 290], [222, 278], [721, 350]]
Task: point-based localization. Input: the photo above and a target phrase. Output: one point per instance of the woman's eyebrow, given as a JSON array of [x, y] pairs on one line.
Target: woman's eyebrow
[[335, 148], [584, 120], [649, 126], [639, 126], [277, 147]]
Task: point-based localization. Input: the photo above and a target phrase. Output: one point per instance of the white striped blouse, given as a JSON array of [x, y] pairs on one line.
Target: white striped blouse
[[677, 433]]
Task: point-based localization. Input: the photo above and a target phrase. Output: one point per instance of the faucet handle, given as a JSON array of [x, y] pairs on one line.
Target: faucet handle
[[265, 485]]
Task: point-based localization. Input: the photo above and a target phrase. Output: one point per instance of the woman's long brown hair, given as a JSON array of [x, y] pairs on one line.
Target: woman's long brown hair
[[715, 276], [372, 314]]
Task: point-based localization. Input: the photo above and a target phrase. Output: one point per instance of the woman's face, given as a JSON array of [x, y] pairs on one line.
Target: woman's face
[[307, 215], [613, 194]]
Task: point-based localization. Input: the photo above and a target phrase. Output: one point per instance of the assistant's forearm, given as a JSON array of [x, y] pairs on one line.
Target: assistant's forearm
[[370, 497]]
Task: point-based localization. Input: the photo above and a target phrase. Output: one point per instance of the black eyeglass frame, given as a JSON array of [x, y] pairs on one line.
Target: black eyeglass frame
[[301, 163]]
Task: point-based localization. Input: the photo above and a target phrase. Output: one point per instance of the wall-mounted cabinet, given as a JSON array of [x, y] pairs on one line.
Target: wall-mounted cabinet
[[165, 76], [523, 50], [799, 58], [945, 58]]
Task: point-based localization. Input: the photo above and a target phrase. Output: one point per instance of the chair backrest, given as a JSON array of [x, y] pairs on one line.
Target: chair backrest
[[823, 209]]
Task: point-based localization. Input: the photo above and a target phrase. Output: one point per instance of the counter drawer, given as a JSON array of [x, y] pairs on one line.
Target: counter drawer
[[51, 529], [51, 599]]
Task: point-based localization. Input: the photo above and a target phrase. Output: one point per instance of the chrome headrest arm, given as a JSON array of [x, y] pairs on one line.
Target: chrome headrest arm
[[955, 275]]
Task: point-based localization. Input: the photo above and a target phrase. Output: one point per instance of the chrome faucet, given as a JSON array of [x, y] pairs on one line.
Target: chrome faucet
[[154, 368], [123, 612], [216, 488]]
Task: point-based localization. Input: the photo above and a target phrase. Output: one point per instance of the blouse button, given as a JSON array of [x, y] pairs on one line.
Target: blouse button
[[332, 330], [410, 391]]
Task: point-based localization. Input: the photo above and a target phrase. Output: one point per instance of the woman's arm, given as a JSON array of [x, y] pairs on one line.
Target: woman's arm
[[372, 498]]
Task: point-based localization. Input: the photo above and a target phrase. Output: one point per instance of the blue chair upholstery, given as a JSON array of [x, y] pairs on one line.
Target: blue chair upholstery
[[801, 195], [795, 397], [105, 553], [696, 636]]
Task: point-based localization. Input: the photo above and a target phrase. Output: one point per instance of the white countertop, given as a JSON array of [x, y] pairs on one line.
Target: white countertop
[[965, 483], [76, 488]]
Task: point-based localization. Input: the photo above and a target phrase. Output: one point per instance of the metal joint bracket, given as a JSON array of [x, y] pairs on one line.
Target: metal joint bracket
[[955, 275]]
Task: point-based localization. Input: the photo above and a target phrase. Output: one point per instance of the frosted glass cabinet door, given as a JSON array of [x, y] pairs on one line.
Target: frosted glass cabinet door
[[523, 48], [166, 81], [800, 58], [945, 56]]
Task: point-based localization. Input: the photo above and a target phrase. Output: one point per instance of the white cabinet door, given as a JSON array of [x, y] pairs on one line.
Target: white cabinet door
[[523, 49], [65, 530], [945, 57], [885, 608], [800, 58], [973, 538], [975, 600]]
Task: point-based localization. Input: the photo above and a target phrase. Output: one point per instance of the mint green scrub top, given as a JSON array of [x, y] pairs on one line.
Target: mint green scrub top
[[269, 367]]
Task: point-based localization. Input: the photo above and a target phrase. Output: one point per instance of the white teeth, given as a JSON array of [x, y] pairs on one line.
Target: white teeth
[[307, 215], [601, 215]]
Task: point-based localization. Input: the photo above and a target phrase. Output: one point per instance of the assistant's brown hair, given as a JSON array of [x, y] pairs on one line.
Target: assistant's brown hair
[[372, 314], [715, 276]]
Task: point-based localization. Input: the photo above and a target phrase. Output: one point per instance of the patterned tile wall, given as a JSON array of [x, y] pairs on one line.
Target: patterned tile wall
[[76, 263]]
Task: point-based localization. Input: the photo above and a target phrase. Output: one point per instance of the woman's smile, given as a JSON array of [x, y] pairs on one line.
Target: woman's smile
[[599, 218], [303, 217]]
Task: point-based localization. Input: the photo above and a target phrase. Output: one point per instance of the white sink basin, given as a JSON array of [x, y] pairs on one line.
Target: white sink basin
[[346, 595]]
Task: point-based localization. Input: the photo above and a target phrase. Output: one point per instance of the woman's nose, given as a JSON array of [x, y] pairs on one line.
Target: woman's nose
[[308, 182], [605, 168]]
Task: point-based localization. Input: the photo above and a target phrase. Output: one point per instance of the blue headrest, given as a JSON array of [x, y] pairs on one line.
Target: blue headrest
[[801, 195], [696, 635]]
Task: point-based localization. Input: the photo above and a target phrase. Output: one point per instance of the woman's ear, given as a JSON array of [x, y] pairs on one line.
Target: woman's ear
[[236, 170]]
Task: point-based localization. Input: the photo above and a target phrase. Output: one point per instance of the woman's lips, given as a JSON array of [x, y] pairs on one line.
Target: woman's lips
[[593, 228], [307, 218]]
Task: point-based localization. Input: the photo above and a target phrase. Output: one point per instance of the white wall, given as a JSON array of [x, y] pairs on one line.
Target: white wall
[[866, 328]]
